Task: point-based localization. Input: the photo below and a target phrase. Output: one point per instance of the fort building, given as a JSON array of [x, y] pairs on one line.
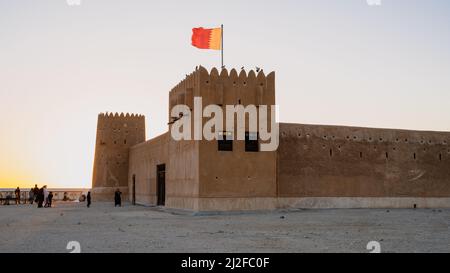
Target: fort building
[[315, 166]]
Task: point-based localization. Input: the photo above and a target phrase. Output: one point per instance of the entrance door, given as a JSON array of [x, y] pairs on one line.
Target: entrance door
[[161, 184], [134, 190]]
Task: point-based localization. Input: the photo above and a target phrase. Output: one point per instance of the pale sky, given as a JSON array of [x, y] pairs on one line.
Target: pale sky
[[337, 62]]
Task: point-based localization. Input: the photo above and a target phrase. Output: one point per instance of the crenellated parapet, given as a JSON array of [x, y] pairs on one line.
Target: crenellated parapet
[[116, 121], [120, 115], [225, 88]]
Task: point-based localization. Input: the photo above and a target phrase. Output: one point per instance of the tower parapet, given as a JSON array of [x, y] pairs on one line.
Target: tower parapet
[[229, 91], [116, 134], [224, 88]]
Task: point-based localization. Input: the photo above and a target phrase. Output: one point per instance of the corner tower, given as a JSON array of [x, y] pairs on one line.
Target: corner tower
[[115, 135]]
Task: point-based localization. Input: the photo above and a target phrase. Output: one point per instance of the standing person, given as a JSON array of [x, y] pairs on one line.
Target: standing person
[[31, 196], [8, 197], [88, 199], [45, 196], [36, 193], [40, 197], [49, 199], [117, 198], [17, 192]]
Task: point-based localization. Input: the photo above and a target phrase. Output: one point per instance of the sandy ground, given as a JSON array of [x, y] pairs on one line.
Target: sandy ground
[[103, 228]]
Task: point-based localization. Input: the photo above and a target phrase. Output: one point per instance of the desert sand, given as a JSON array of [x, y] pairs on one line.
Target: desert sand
[[103, 228]]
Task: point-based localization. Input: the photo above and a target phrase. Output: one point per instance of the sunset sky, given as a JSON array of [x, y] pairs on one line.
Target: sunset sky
[[337, 62]]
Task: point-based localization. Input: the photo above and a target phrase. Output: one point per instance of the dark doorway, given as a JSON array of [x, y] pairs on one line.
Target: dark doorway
[[161, 184], [134, 190]]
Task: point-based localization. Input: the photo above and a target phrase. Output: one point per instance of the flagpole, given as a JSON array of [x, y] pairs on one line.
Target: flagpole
[[222, 43]]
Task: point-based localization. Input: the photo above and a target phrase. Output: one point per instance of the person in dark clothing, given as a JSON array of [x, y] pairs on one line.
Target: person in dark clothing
[[8, 198], [36, 193], [117, 198], [40, 197], [31, 196], [17, 192], [50, 197], [88, 199]]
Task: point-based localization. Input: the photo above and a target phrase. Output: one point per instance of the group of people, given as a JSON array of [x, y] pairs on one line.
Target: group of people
[[41, 196], [44, 198]]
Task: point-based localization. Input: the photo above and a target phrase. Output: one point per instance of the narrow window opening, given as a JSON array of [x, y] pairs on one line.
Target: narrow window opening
[[251, 142], [387, 155], [440, 157], [331, 152], [415, 156], [360, 155], [225, 142]]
